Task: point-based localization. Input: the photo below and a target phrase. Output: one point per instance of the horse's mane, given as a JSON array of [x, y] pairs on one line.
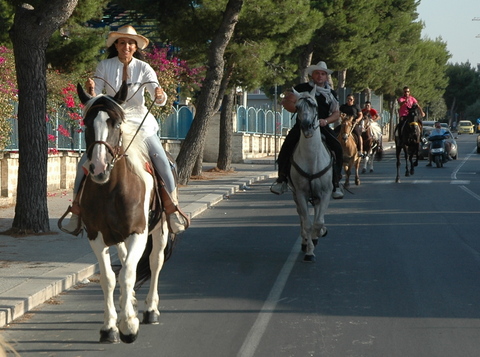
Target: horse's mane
[[305, 101], [137, 152]]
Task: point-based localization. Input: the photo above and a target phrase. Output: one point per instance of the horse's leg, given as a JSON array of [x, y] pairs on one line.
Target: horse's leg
[[128, 323], [319, 229], [365, 163], [397, 154], [109, 330], [357, 169], [347, 168], [407, 172], [301, 202], [412, 166], [151, 315]]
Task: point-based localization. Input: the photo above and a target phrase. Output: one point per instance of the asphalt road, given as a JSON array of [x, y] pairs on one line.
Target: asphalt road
[[397, 275]]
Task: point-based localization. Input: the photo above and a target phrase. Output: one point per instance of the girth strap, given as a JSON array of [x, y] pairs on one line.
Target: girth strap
[[314, 176]]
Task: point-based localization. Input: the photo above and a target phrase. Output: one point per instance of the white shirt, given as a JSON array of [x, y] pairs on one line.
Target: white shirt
[[141, 77]]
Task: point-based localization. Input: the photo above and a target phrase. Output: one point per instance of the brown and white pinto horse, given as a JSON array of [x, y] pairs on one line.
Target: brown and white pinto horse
[[372, 139], [115, 203], [351, 159]]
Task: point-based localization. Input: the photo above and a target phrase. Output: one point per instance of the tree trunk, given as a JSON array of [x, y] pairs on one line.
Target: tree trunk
[[195, 139], [30, 34], [342, 79], [197, 168], [393, 124], [305, 60], [226, 132]]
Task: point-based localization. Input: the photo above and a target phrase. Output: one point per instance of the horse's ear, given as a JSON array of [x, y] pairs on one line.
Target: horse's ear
[[121, 95], [82, 95], [295, 92]]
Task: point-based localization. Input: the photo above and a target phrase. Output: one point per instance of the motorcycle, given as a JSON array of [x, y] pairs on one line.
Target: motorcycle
[[437, 149]]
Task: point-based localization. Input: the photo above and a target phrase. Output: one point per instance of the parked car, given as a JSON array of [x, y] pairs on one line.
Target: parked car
[[465, 127], [423, 151]]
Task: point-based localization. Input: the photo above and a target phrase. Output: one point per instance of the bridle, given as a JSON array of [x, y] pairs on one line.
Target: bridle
[[315, 123], [115, 151]]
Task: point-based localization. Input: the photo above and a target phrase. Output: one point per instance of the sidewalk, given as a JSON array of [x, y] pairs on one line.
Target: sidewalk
[[34, 269]]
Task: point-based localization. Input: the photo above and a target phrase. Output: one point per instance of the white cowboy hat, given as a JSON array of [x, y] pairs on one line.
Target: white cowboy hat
[[128, 32], [320, 66]]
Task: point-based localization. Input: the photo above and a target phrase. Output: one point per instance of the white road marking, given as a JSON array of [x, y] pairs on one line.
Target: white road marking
[[258, 329]]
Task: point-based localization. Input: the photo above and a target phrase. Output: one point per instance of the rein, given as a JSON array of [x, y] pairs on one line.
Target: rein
[[114, 153]]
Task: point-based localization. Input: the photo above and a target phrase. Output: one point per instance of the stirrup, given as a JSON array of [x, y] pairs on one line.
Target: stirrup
[[279, 188], [77, 230]]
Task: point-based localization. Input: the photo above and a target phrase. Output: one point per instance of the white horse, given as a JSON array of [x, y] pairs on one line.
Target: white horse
[[311, 174], [371, 144]]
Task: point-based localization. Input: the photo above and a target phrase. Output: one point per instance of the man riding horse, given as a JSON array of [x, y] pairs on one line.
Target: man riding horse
[[328, 112]]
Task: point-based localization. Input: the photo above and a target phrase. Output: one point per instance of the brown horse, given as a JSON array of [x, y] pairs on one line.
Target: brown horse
[[116, 205], [351, 159], [407, 139]]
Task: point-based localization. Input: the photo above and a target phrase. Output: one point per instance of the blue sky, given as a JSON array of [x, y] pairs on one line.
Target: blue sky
[[452, 21]]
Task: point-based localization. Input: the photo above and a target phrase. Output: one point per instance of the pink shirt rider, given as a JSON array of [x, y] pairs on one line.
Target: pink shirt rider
[[405, 104]]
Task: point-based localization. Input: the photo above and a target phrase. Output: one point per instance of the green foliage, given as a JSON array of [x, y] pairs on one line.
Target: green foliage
[[463, 87], [6, 17], [78, 52], [472, 112]]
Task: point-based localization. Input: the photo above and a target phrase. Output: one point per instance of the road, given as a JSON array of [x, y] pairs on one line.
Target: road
[[397, 275]]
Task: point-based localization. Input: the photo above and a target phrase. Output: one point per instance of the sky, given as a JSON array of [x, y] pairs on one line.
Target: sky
[[452, 21]]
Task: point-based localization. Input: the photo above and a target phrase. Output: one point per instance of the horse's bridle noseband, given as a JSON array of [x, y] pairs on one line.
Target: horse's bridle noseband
[[115, 151]]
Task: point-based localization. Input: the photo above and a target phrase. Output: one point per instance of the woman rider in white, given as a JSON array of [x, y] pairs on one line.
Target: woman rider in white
[[121, 64]]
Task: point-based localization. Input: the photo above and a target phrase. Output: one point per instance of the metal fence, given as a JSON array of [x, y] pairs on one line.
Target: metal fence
[[175, 126], [262, 121]]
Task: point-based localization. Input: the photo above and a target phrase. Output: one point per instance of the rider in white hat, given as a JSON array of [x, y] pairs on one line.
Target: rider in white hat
[[125, 62], [328, 113]]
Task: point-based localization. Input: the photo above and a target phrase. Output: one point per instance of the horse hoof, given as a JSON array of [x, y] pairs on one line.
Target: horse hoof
[[324, 233], [371, 170], [109, 336], [130, 338], [304, 247], [151, 317], [315, 242], [357, 182], [309, 258]]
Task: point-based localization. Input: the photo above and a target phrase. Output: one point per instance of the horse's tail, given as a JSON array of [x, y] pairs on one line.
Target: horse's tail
[[143, 266], [376, 130]]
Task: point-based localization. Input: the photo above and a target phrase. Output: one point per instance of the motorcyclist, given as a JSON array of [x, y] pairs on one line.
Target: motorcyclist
[[438, 130]]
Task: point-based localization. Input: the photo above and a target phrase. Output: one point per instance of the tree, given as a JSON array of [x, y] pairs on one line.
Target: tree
[[195, 139], [30, 33], [463, 88]]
